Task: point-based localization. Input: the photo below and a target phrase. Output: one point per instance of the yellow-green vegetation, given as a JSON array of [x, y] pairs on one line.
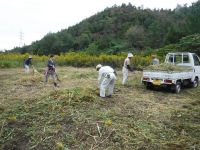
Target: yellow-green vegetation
[[11, 60], [59, 146], [169, 67], [39, 117]]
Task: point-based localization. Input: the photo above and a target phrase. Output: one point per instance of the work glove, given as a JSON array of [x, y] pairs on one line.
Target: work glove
[[108, 76], [115, 73]]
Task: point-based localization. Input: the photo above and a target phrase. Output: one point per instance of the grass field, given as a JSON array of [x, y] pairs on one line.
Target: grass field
[[73, 116]]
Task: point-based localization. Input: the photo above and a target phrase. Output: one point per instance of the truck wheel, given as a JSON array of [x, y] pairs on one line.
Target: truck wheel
[[149, 86], [177, 87], [195, 84]]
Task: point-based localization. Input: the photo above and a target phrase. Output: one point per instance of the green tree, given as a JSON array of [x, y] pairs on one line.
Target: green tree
[[136, 37]]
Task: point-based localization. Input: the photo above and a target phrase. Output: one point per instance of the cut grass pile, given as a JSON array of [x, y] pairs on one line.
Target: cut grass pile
[[74, 117], [169, 67]]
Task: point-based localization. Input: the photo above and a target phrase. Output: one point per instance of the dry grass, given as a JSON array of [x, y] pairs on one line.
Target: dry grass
[[169, 67], [35, 116]]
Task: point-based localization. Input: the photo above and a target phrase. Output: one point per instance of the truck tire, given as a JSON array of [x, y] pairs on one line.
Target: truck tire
[[177, 87], [149, 86], [195, 84]]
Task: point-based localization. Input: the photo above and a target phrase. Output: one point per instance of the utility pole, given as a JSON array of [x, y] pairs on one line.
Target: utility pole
[[21, 38]]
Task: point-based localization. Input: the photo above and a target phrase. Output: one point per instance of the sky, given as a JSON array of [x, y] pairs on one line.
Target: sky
[[25, 21]]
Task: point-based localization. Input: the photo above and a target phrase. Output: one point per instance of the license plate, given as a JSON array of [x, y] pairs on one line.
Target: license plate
[[157, 82]]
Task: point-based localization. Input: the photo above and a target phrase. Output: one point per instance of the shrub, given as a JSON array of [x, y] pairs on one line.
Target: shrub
[[73, 59]]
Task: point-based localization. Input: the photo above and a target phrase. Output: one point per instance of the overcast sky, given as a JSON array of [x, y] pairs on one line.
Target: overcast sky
[[36, 18]]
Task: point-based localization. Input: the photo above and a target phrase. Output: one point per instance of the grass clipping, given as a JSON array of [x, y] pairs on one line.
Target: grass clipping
[[31, 79], [169, 68]]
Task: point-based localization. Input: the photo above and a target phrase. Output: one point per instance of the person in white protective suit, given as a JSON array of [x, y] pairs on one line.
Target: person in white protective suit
[[106, 80], [126, 68]]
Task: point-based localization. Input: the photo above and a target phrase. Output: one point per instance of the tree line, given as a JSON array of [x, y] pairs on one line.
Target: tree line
[[121, 29]]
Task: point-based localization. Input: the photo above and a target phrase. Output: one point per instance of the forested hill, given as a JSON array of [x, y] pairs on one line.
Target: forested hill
[[121, 28]]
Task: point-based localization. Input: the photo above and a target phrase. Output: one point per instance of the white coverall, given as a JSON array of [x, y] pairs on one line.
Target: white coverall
[[106, 80], [125, 70], [26, 67]]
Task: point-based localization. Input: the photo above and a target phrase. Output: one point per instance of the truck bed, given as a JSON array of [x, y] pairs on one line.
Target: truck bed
[[168, 75], [165, 77]]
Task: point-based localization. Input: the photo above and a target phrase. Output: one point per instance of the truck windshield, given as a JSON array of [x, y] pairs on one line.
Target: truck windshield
[[196, 60]]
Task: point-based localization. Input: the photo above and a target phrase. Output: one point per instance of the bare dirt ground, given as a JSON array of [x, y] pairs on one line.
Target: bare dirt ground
[[73, 116]]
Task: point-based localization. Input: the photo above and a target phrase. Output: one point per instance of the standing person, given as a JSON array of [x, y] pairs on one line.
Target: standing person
[[51, 70], [106, 80], [155, 60], [27, 62], [126, 68]]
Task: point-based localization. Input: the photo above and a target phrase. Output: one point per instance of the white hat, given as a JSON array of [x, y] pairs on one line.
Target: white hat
[[30, 56], [98, 66], [130, 55]]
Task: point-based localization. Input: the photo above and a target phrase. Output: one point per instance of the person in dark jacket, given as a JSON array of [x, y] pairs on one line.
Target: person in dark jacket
[[50, 71], [27, 63]]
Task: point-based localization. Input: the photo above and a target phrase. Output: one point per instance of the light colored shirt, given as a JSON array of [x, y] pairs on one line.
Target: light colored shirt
[[155, 61], [126, 62]]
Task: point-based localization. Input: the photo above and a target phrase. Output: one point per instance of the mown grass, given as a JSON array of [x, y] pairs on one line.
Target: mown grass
[[35, 116]]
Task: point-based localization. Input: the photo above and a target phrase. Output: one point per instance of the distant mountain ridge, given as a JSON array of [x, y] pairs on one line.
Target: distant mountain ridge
[[121, 28]]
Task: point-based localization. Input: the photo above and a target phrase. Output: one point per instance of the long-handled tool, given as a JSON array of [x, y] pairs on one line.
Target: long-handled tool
[[57, 77], [35, 70]]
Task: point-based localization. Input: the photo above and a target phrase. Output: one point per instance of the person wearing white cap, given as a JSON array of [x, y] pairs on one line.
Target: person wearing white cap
[[27, 62], [106, 80], [126, 68]]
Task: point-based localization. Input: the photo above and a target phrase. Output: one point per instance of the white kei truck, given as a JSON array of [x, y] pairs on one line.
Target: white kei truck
[[175, 80]]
